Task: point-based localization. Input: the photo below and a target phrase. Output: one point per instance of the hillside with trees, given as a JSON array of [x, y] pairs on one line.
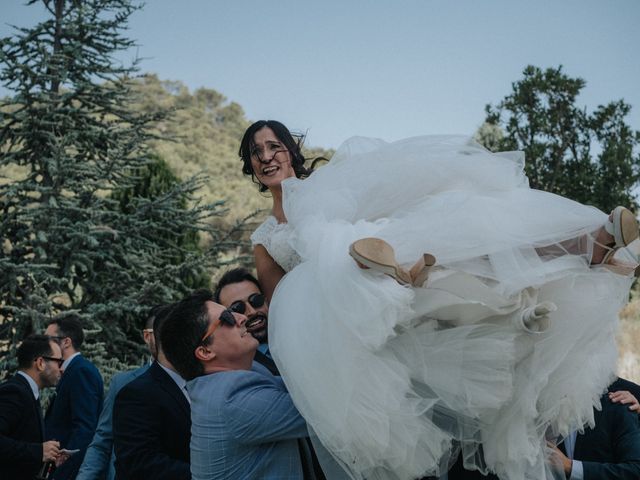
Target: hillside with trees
[[203, 135]]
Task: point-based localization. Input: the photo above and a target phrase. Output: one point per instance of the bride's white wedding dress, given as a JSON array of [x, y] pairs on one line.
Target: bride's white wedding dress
[[394, 380]]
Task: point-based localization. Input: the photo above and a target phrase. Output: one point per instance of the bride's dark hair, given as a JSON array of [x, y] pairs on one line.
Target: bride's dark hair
[[292, 142]]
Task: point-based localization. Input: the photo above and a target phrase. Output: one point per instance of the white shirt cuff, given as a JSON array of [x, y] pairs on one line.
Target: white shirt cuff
[[576, 470]]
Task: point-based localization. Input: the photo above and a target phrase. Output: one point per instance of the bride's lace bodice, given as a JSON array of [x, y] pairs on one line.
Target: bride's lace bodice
[[274, 237]]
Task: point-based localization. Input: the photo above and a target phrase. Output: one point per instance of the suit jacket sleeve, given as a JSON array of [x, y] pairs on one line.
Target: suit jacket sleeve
[[97, 460], [12, 407], [137, 434], [260, 410], [625, 437]]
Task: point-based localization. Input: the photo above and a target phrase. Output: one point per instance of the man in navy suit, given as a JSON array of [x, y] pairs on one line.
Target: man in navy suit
[[22, 446], [608, 451], [244, 422], [99, 462], [152, 422], [72, 417]]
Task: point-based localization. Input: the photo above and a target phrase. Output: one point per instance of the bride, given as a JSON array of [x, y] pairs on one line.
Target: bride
[[504, 344]]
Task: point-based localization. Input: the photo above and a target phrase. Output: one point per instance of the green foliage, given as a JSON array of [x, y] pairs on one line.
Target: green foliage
[[93, 223], [591, 158]]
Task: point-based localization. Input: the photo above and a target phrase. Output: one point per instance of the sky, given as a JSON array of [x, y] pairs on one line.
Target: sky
[[381, 68]]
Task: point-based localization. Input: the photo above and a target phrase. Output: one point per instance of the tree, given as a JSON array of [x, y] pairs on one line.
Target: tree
[[591, 158], [77, 232]]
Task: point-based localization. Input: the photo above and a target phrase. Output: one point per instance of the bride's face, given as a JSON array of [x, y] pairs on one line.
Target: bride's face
[[270, 159]]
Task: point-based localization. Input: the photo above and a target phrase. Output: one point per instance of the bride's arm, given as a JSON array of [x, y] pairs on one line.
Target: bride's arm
[[269, 272]]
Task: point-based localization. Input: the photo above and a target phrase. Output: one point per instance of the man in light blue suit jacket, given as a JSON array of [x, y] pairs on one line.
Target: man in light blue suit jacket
[[99, 461], [244, 423]]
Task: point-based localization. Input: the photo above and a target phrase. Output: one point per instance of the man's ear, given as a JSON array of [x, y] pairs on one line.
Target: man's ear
[[204, 353], [40, 364]]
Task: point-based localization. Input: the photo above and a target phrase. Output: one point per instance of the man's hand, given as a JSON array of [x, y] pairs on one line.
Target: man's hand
[[50, 450], [626, 398], [559, 459]]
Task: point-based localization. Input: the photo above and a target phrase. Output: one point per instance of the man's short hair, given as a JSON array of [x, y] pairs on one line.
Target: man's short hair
[[69, 325], [236, 275], [32, 347], [182, 332], [157, 316]]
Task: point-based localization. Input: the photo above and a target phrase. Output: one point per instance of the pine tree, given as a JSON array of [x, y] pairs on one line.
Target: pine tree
[[68, 239]]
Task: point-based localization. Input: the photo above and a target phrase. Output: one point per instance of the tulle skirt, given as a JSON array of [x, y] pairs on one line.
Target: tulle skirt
[[395, 381]]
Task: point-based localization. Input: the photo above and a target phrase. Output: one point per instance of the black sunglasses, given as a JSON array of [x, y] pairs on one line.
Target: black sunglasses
[[256, 300], [226, 318], [54, 359]]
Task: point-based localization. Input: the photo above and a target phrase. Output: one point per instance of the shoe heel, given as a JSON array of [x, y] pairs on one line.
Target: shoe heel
[[376, 254], [420, 271]]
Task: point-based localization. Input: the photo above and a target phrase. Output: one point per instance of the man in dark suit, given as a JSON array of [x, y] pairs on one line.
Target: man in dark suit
[[72, 417], [22, 446], [152, 423], [621, 391], [608, 451], [99, 462]]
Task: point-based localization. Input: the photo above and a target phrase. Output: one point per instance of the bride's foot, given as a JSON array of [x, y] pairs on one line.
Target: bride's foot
[[621, 229], [378, 255]]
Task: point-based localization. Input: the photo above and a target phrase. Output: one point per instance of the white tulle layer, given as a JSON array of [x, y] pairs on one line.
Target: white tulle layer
[[394, 380]]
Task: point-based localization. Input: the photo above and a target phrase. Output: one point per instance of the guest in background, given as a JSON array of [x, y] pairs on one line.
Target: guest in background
[[608, 451], [73, 415], [99, 461], [22, 447], [152, 421]]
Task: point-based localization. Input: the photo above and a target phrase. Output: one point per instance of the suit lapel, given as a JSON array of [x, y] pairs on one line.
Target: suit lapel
[[167, 383], [37, 409]]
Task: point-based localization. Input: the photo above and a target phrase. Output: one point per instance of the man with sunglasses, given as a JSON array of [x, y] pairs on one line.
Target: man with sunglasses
[[22, 447], [240, 292], [244, 423], [73, 414]]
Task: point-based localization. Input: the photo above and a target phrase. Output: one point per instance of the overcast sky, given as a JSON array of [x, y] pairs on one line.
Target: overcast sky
[[388, 69]]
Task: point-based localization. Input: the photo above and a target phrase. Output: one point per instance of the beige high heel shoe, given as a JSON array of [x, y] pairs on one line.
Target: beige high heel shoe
[[378, 255], [624, 229]]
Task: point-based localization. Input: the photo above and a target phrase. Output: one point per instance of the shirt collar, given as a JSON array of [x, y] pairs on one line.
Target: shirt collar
[[66, 363], [179, 381], [32, 384]]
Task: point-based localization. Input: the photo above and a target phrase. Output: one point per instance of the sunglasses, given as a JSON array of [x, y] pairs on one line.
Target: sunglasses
[[256, 300], [226, 317], [54, 359]]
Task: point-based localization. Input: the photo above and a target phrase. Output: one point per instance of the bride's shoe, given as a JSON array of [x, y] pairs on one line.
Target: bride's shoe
[[378, 255], [623, 227]]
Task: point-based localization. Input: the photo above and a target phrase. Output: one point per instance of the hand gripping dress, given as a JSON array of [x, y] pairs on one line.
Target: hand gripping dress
[[394, 380]]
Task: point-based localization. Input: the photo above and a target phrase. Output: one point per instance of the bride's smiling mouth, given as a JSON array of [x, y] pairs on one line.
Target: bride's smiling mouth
[[270, 170]]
